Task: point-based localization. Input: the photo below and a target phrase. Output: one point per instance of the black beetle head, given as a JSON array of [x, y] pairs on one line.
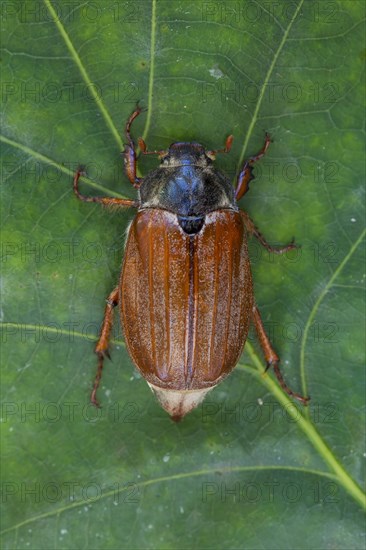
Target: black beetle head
[[184, 153]]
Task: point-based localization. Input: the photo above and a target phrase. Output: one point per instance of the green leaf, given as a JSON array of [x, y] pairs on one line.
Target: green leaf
[[249, 469]]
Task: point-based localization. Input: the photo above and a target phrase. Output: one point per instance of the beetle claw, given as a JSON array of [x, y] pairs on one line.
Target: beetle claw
[[292, 243], [94, 401], [81, 170], [290, 246], [103, 353], [268, 366], [304, 400], [139, 108]]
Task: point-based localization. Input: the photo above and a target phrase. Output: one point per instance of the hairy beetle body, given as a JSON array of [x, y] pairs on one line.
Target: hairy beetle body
[[187, 184], [185, 290]]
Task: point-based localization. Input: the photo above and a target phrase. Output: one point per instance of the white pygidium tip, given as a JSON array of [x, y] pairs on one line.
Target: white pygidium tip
[[179, 402]]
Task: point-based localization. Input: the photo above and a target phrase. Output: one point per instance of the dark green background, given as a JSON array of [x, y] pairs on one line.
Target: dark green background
[[204, 70]]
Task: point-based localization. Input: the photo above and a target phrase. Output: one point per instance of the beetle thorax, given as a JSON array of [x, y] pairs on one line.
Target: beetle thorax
[[187, 184]]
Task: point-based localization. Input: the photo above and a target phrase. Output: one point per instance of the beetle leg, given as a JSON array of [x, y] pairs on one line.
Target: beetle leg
[[107, 201], [130, 152], [101, 349], [245, 174], [272, 358], [226, 149], [251, 228]]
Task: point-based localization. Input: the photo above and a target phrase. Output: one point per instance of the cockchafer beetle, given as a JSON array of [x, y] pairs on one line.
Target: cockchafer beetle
[[185, 290]]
